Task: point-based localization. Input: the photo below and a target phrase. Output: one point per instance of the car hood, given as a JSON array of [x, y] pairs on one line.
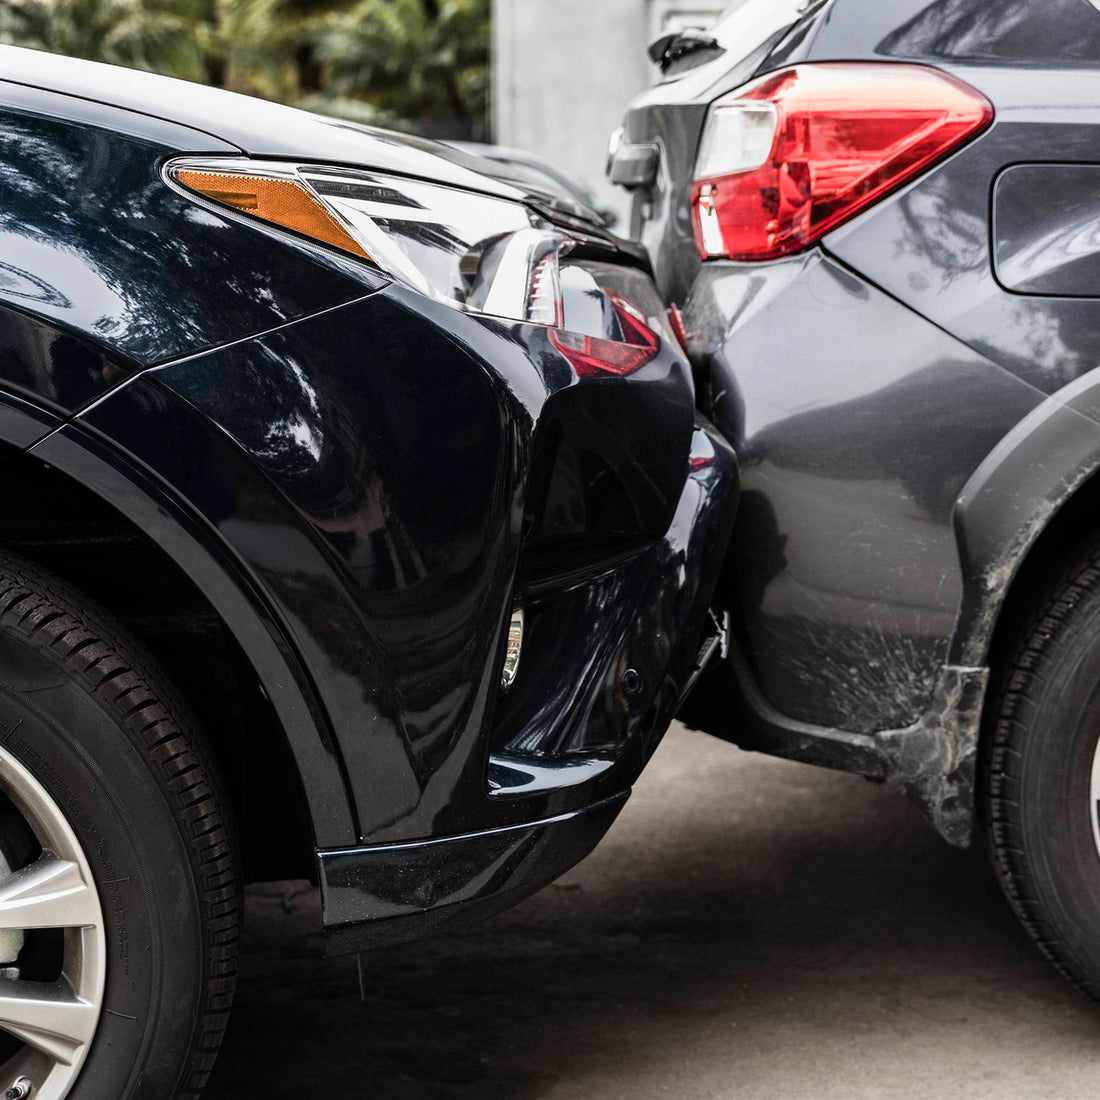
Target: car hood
[[263, 129]]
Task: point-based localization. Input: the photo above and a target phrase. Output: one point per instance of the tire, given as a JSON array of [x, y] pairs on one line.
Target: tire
[[1038, 792], [90, 731]]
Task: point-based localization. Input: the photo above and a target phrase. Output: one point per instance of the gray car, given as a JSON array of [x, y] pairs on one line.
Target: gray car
[[881, 220]]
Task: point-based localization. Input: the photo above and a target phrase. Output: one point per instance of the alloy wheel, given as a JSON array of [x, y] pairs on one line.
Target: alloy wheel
[[52, 942]]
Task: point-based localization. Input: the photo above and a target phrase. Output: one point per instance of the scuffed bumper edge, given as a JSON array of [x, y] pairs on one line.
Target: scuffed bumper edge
[[390, 893], [933, 761]]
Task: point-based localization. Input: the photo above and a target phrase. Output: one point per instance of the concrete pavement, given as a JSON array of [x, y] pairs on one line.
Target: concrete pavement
[[750, 928]]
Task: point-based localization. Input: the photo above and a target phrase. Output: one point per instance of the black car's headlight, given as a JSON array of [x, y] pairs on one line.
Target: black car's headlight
[[473, 251]]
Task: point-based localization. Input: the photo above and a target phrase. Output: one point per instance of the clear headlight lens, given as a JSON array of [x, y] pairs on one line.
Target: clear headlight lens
[[470, 250]]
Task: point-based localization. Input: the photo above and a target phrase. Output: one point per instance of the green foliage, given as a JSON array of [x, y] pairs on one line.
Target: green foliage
[[412, 57], [123, 32], [422, 61]]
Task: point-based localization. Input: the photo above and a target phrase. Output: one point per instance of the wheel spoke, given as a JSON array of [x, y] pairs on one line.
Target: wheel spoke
[[50, 893], [48, 1017]]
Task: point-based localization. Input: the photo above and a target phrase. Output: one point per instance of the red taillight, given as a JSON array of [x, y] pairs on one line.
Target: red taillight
[[679, 329], [796, 153], [592, 355]]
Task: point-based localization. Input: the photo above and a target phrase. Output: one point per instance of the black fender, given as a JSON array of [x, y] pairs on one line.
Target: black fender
[[90, 294], [200, 552]]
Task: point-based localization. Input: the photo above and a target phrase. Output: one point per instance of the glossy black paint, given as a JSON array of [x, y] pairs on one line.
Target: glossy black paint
[[391, 893], [394, 546], [363, 481], [185, 535], [23, 423], [899, 396], [408, 471], [266, 129], [85, 210], [573, 734]]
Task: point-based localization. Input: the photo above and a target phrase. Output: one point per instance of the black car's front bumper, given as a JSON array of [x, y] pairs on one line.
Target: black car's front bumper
[[391, 477], [595, 743]]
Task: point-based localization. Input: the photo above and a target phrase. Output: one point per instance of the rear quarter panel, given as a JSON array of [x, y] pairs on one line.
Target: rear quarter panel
[[894, 363]]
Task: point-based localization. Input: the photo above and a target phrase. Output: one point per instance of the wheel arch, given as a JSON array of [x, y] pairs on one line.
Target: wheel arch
[[148, 548], [1030, 502]]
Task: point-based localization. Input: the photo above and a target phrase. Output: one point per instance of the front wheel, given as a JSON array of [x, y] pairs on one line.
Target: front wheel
[[1042, 774], [119, 898]]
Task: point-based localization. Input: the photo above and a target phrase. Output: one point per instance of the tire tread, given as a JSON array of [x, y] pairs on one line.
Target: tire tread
[[1039, 646], [113, 669]]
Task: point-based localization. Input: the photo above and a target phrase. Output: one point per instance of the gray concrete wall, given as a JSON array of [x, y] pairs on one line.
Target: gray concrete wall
[[564, 70]]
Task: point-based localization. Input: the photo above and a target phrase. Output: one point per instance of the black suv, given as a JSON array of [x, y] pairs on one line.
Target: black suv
[[358, 523]]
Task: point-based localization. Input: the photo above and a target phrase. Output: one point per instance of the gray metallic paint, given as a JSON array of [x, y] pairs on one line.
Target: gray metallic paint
[[1025, 481], [908, 423], [1046, 229], [930, 246], [846, 569]]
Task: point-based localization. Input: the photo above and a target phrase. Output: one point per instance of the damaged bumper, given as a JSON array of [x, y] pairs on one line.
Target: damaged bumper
[[394, 477], [607, 665]]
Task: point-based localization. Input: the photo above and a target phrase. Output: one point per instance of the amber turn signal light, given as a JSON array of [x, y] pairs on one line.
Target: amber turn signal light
[[279, 201]]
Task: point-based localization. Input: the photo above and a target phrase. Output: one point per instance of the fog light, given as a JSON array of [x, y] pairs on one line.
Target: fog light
[[511, 654]]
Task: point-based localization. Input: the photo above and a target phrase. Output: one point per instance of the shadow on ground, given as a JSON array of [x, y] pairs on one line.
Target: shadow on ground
[[750, 928]]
